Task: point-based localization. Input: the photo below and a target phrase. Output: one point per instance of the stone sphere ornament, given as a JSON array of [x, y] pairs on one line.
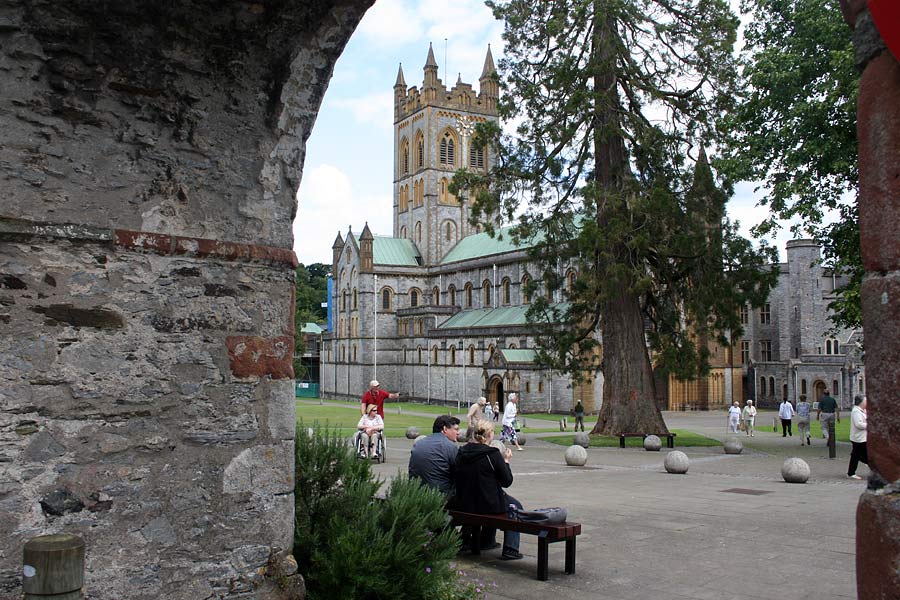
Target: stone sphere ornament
[[582, 439], [522, 439], [412, 433], [795, 470], [733, 446], [652, 443], [576, 456], [677, 462], [418, 439]]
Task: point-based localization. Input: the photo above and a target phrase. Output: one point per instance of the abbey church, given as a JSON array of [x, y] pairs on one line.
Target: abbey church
[[436, 312]]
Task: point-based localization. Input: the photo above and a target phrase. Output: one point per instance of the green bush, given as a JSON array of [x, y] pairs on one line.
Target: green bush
[[352, 546]]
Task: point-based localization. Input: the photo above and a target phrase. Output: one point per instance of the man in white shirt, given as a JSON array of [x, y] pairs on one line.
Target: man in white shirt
[[508, 430], [786, 413]]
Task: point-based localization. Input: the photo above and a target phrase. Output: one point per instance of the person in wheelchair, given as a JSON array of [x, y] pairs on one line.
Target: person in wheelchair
[[371, 427]]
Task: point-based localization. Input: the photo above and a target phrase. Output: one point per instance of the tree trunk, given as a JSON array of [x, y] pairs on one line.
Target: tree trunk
[[629, 393]]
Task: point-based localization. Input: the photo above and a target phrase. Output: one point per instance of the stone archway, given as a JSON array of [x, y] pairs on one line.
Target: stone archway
[[495, 391], [150, 161], [819, 388]]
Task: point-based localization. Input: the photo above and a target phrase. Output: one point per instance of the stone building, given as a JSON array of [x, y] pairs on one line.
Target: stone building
[[437, 311]]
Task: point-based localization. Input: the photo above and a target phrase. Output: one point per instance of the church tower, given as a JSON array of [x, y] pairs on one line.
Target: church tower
[[433, 130]]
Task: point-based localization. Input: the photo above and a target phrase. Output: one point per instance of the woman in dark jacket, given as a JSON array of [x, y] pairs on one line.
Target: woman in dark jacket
[[481, 474]]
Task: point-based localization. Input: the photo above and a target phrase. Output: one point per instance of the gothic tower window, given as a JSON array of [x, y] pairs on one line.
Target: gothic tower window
[[403, 232], [450, 232], [448, 149], [444, 195], [418, 232], [404, 198], [355, 299], [476, 157], [404, 156], [420, 150]]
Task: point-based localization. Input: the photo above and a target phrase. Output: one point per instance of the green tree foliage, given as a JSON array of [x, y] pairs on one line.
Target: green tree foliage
[[349, 544], [604, 176], [794, 129], [311, 291]]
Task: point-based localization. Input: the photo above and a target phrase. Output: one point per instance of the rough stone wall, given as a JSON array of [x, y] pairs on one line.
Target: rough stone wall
[[151, 152], [878, 127]]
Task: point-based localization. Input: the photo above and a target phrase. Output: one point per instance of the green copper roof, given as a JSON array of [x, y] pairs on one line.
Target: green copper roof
[[492, 317], [394, 251], [482, 244], [311, 328], [518, 355]]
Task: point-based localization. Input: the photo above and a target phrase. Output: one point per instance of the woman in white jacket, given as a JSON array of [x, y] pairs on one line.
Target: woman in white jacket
[[748, 416], [858, 436]]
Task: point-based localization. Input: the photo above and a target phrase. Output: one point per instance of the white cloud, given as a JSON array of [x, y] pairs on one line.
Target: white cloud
[[373, 110], [391, 22], [328, 205]]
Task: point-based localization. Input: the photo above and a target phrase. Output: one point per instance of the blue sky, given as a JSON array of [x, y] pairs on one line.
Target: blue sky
[[347, 177]]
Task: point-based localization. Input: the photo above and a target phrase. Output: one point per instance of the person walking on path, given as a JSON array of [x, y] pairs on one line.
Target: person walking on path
[[748, 415], [859, 453], [475, 414], [508, 431], [495, 408], [579, 416], [828, 412], [375, 395], [786, 412], [803, 410], [734, 417]]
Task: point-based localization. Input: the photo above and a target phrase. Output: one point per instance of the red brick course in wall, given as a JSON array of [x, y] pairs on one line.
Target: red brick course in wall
[[253, 356]]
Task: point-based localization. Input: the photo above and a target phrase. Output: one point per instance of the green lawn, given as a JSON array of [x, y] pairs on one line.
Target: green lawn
[[683, 438]]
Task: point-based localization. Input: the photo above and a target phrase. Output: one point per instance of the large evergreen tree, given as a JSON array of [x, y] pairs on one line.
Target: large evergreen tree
[[606, 175], [794, 130]]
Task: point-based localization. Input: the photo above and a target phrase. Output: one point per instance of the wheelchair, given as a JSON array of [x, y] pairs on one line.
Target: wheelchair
[[379, 454]]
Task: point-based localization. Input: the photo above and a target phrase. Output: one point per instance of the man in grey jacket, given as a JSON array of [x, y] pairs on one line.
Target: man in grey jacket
[[433, 460]]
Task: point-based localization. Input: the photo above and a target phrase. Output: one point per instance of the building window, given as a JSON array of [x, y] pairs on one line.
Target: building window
[[471, 355], [448, 150], [418, 232], [444, 195], [745, 352], [436, 296], [420, 354], [403, 232], [771, 387], [486, 286], [476, 157], [745, 315], [354, 352], [344, 300], [404, 198], [527, 387], [468, 295], [453, 355], [385, 299], [403, 355], [420, 151], [765, 314], [434, 355], [802, 386], [355, 299], [540, 386], [570, 282], [505, 296], [834, 387], [762, 387], [765, 350], [420, 326], [404, 156], [526, 293], [451, 292], [413, 298]]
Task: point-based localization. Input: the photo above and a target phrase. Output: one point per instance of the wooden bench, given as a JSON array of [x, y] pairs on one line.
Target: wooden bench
[[547, 534], [670, 438]]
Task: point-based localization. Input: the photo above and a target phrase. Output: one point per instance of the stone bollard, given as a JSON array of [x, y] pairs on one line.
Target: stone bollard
[[53, 566], [562, 424], [576, 456], [733, 445], [412, 433], [652, 443], [677, 462]]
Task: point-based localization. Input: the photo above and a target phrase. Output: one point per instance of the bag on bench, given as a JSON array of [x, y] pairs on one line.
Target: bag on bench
[[550, 516]]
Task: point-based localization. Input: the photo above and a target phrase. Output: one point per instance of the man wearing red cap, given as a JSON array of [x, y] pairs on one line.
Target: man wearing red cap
[[375, 395]]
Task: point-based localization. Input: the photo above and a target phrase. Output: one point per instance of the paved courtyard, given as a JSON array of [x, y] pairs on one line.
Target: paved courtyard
[[730, 529]]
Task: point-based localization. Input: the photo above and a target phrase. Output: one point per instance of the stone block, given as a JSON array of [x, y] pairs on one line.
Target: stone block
[[576, 456], [677, 462], [582, 439], [795, 470], [652, 443], [261, 470]]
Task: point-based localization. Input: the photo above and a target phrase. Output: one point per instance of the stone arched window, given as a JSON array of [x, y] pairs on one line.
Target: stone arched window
[[525, 291], [354, 352], [505, 291], [418, 232], [420, 150], [386, 298], [476, 157], [403, 355], [468, 294], [344, 300], [447, 154], [771, 387], [420, 354], [762, 386], [436, 296], [403, 232], [570, 281], [453, 355], [355, 299], [487, 290], [471, 355], [434, 355], [418, 193], [490, 351], [404, 156], [451, 294], [414, 297], [404, 198], [450, 232]]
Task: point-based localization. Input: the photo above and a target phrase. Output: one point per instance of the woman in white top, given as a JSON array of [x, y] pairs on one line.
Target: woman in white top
[[370, 427], [508, 430], [748, 415], [734, 417], [858, 436], [786, 413]]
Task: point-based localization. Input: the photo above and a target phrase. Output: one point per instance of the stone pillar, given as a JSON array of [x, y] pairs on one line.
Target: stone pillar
[[150, 158], [878, 512]]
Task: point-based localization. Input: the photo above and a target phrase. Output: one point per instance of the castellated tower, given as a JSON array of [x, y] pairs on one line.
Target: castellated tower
[[433, 129]]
